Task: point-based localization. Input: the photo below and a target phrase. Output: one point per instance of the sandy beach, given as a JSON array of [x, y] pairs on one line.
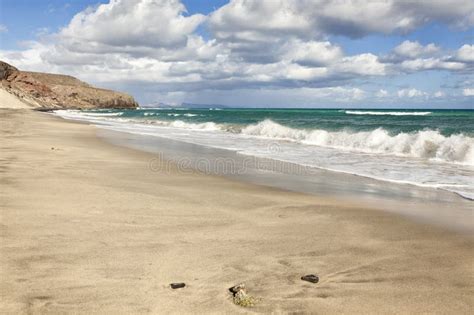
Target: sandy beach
[[87, 228], [10, 101]]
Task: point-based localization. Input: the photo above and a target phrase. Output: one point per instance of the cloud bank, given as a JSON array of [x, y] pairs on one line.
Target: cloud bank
[[161, 51]]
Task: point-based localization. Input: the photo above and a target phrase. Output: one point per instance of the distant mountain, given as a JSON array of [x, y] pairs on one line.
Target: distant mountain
[[183, 105], [191, 105], [158, 105]]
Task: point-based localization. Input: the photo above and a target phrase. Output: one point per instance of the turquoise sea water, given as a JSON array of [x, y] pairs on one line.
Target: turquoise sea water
[[447, 122], [431, 148]]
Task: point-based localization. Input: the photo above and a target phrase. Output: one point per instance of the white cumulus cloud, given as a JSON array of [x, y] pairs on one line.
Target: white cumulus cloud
[[439, 94], [364, 64], [242, 19], [382, 93], [410, 93], [132, 23], [415, 49], [466, 53], [312, 52], [261, 45], [431, 63], [468, 92]]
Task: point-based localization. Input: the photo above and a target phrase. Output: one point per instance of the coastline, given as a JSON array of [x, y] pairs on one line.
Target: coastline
[[87, 227], [423, 152], [423, 204]]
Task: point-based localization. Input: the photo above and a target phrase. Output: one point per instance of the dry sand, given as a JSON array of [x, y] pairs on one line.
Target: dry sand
[[87, 227], [8, 100]]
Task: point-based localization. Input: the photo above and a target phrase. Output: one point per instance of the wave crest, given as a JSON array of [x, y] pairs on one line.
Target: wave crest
[[429, 144], [211, 126], [358, 112], [426, 144]]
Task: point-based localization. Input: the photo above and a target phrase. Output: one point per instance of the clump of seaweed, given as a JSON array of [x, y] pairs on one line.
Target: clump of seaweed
[[246, 301]]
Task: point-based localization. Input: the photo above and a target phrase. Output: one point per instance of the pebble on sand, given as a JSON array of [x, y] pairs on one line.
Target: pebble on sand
[[177, 285], [311, 278]]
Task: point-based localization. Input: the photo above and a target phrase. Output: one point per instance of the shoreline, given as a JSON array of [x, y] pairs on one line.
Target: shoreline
[[86, 227], [423, 204], [272, 139]]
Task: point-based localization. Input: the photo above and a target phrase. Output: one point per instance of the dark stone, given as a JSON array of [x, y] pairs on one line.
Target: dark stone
[[177, 285], [311, 278], [237, 288]]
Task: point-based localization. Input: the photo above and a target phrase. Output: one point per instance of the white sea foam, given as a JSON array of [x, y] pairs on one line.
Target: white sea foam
[[410, 158], [425, 144], [357, 112], [186, 125], [429, 144], [79, 115], [98, 114]]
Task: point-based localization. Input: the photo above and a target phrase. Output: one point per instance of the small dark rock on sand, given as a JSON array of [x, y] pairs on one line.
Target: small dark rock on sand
[[311, 278], [237, 288], [177, 285]]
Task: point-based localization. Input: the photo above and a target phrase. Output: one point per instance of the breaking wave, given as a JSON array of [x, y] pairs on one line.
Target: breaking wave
[[211, 126], [103, 114], [357, 112], [429, 144], [425, 144]]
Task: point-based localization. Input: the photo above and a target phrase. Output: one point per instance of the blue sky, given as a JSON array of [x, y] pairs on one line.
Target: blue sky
[[302, 53]]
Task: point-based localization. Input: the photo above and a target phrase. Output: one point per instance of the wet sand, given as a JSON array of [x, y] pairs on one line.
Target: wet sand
[[88, 227]]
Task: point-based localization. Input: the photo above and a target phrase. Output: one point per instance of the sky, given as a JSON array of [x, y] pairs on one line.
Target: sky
[[253, 53]]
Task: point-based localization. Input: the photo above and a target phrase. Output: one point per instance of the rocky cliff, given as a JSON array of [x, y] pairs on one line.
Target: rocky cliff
[[56, 91]]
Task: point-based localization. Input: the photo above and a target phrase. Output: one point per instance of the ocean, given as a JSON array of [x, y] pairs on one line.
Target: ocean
[[428, 148]]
